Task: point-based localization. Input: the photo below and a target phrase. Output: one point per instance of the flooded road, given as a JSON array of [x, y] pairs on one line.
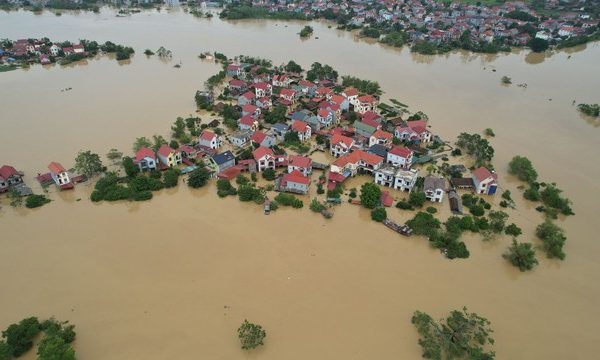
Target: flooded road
[[174, 277]]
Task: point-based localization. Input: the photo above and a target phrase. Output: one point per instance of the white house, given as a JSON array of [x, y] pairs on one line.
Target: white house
[[300, 163], [295, 182], [340, 145], [248, 122], [263, 89], [352, 95], [380, 137], [262, 139], [265, 158], [434, 188], [400, 156], [145, 159], [396, 178], [210, 140], [365, 103], [240, 138], [303, 129], [485, 181], [251, 110], [326, 117], [59, 174]]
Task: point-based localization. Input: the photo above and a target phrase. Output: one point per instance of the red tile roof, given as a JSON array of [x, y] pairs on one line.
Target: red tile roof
[[143, 153], [338, 99], [249, 95], [249, 108], [295, 177], [262, 85], [7, 171], [483, 173], [56, 168], [258, 137], [367, 99], [247, 120], [386, 199], [380, 134], [371, 118], [351, 91], [336, 139], [401, 151], [356, 156], [287, 92], [324, 91], [299, 161], [236, 82], [323, 113], [261, 151], [207, 135], [299, 126], [165, 150]]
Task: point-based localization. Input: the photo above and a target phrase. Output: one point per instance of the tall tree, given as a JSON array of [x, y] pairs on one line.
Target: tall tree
[[87, 163]]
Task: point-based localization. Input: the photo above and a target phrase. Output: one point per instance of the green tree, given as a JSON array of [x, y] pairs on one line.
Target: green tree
[[140, 143], [417, 198], [16, 200], [522, 168], [477, 147], [34, 201], [462, 335], [251, 335], [268, 174], [513, 230], [171, 178], [370, 195], [538, 45], [306, 31], [53, 347], [158, 141], [497, 221], [5, 353], [293, 67], [19, 337], [424, 223], [553, 239], [378, 214], [178, 128], [316, 205], [198, 178], [88, 163], [276, 115], [521, 255], [131, 169]]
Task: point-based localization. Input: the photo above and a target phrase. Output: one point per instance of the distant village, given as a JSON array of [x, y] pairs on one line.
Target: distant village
[[25, 52], [445, 25]]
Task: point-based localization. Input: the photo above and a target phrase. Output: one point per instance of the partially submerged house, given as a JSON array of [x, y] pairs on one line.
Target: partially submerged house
[[169, 157], [9, 177], [145, 158], [434, 188], [60, 176]]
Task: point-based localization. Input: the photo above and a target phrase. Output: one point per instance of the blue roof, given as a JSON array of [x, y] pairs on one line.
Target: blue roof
[[379, 150], [223, 157], [280, 127]]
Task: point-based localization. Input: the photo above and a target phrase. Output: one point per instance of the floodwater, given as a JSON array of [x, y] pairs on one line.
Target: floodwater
[[174, 277]]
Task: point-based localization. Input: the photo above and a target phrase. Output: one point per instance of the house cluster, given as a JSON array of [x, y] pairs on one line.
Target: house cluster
[[443, 22], [41, 51]]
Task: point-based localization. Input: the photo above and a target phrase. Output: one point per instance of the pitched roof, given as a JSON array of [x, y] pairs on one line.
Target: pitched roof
[[223, 157], [295, 177], [261, 151], [258, 137], [207, 135], [323, 113], [249, 95], [299, 126], [233, 67], [247, 120], [483, 173], [323, 90], [165, 150], [56, 168], [236, 82], [338, 99], [7, 171], [401, 151], [300, 161], [380, 134], [371, 118], [366, 99], [143, 153], [356, 156], [287, 92], [249, 108], [434, 183], [262, 85], [350, 91], [341, 139]]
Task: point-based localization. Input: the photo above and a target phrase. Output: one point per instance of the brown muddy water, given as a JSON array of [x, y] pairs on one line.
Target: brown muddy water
[[174, 277]]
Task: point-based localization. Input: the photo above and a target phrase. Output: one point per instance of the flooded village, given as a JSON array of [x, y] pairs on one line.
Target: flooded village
[[277, 135]]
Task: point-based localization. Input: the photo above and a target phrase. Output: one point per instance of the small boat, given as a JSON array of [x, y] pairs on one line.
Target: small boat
[[267, 206], [400, 229]]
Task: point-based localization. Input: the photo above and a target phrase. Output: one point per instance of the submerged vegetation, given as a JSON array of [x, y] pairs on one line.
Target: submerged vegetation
[[18, 339]]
